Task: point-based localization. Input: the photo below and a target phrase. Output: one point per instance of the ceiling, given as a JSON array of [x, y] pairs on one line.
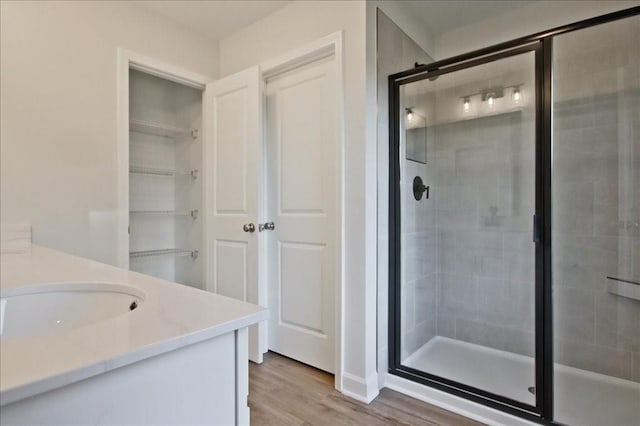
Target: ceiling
[[443, 16], [214, 19]]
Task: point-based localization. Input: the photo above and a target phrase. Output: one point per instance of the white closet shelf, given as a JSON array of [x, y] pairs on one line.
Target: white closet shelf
[[192, 213], [141, 170], [163, 252], [159, 129]]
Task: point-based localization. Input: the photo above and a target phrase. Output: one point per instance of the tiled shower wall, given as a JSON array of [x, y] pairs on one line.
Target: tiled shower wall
[[418, 241], [596, 197], [485, 204], [476, 236], [397, 52]]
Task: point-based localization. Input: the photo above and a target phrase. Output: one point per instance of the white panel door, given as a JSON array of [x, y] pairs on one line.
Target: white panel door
[[302, 174], [234, 136]]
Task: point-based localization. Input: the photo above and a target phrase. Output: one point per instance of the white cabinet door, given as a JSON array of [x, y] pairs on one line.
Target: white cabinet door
[[302, 173], [234, 143]]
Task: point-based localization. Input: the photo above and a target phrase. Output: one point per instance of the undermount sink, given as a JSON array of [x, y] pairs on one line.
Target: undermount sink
[[51, 308]]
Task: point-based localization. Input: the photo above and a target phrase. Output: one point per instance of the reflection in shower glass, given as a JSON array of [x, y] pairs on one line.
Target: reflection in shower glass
[[467, 255], [596, 232]]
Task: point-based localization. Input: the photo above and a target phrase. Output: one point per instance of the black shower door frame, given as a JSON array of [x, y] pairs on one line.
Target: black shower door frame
[[395, 366], [541, 44]]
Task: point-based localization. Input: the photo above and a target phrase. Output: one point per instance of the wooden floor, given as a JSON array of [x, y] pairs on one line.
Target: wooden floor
[[286, 392]]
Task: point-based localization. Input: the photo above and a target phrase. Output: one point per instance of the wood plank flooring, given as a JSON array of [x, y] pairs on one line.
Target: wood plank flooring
[[285, 392]]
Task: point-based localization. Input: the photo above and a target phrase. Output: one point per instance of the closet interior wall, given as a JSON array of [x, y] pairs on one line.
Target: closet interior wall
[[165, 185]]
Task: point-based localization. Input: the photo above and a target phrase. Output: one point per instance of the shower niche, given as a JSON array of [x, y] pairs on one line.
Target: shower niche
[[165, 189], [532, 169]]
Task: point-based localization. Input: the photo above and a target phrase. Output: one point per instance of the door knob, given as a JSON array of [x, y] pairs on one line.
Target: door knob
[[249, 227], [267, 226]]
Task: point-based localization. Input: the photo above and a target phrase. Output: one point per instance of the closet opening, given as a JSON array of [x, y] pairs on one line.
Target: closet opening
[[165, 220]]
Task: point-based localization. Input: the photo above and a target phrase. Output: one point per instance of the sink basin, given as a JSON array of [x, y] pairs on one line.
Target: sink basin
[[52, 308]]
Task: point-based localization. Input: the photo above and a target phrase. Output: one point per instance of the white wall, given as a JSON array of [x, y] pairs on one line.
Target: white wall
[[299, 23], [58, 112], [405, 18], [532, 18]]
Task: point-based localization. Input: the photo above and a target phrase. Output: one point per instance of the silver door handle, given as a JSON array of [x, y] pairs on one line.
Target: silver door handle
[[267, 226], [249, 227]]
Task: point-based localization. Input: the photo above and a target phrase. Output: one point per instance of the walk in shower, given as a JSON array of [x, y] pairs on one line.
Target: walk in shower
[[515, 224]]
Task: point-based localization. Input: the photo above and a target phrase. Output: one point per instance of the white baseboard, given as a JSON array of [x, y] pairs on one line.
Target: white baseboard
[[359, 389], [453, 403]]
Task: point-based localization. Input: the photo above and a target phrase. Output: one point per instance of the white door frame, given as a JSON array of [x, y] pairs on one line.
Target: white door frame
[[131, 60], [330, 45]]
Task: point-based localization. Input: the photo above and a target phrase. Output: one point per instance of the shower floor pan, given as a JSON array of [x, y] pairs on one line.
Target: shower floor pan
[[581, 397]]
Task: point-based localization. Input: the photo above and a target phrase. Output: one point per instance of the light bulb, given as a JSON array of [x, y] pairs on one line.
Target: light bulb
[[466, 104], [409, 116], [490, 100], [516, 94]]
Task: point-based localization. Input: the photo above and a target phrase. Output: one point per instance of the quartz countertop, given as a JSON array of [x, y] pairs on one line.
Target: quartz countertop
[[172, 316]]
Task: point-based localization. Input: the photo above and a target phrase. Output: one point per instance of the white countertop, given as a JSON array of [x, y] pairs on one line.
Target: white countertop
[[172, 316]]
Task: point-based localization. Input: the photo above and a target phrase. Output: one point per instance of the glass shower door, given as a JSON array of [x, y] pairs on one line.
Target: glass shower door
[[596, 224], [466, 189]]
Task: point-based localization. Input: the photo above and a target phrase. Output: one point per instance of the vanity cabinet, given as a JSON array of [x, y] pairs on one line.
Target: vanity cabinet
[[178, 357], [196, 384]]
